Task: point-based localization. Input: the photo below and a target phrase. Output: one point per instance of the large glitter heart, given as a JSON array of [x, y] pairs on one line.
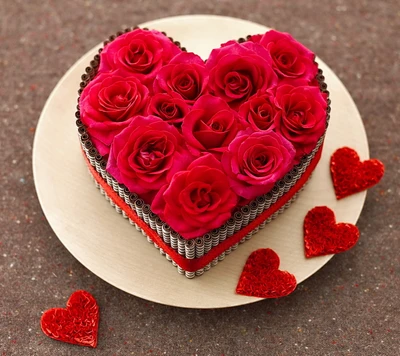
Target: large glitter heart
[[323, 236], [262, 278], [245, 136], [77, 324], [350, 175]]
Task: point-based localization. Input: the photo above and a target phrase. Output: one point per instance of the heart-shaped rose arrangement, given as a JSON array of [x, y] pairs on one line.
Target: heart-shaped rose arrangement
[[202, 143]]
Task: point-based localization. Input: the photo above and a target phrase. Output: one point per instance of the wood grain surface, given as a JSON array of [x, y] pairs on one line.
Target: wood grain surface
[[111, 248]]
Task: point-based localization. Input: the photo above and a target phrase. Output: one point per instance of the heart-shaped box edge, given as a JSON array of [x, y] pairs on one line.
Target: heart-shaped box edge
[[193, 257]]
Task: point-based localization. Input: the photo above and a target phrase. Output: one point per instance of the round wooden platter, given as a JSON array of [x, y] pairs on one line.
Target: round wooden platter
[[112, 249]]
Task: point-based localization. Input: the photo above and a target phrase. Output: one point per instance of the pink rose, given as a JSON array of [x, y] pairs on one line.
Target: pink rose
[[197, 200], [255, 161], [290, 58], [238, 71], [139, 52], [210, 126], [303, 116], [171, 108], [146, 154], [108, 103], [185, 75], [260, 112]]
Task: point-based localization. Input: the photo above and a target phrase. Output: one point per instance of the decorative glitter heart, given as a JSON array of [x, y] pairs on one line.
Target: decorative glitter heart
[[323, 236], [262, 278], [350, 175], [77, 324]]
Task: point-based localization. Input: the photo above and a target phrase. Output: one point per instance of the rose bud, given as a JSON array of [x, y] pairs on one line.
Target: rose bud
[[255, 161], [139, 52], [171, 108], [260, 112], [146, 155], [185, 75], [197, 200], [210, 126], [290, 58], [303, 116], [107, 105], [238, 71]]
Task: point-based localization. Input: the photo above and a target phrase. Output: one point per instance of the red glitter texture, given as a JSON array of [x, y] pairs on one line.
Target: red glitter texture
[[77, 324], [350, 175], [322, 236], [262, 278]]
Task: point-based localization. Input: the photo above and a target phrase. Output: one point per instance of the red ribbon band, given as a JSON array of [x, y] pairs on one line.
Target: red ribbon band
[[192, 265]]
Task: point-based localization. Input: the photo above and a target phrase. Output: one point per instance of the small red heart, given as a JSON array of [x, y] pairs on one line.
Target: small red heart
[[350, 175], [77, 324], [322, 236], [262, 278]]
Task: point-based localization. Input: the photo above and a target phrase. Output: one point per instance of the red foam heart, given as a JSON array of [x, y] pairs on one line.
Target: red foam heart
[[77, 324], [322, 236], [262, 278], [350, 175]]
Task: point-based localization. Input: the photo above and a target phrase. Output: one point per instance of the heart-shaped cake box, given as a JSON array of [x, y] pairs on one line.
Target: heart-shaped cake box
[[200, 155]]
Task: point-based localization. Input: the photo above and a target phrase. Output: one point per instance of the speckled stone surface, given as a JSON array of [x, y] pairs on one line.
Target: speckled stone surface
[[350, 307]]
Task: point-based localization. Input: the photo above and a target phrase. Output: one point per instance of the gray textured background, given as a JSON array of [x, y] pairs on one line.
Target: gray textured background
[[350, 307]]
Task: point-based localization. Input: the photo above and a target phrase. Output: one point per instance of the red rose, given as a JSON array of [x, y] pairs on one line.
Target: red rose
[[139, 52], [185, 75], [260, 112], [303, 116], [108, 103], [210, 126], [238, 71], [146, 154], [290, 58], [255, 161], [170, 108], [197, 200]]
